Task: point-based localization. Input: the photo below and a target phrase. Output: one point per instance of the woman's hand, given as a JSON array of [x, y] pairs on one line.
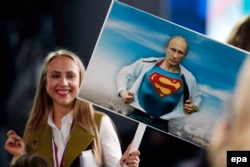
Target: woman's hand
[[130, 159], [14, 144]]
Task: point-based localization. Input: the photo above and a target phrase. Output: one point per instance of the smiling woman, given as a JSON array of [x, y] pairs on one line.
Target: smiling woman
[[69, 125]]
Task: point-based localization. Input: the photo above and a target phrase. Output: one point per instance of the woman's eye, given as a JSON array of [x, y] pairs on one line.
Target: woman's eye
[[70, 76], [55, 76]]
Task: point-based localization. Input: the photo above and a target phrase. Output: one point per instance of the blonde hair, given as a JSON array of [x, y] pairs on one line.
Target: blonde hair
[[83, 112]]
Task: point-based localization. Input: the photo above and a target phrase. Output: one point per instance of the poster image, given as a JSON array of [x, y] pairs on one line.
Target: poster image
[[129, 34]]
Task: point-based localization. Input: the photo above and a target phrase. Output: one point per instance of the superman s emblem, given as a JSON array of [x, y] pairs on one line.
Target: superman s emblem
[[164, 85]]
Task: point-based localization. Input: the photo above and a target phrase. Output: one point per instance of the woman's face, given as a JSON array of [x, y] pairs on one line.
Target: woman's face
[[63, 80]]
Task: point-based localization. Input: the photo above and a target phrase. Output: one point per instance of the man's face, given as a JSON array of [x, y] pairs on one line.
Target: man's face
[[176, 51]]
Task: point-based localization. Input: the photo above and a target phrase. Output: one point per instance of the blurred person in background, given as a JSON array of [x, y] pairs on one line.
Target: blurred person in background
[[30, 160], [232, 132], [240, 38]]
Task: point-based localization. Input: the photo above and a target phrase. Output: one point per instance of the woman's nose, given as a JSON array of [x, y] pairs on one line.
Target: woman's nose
[[63, 82]]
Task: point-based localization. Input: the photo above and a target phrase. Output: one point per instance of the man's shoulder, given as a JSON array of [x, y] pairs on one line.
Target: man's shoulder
[[184, 68], [186, 72]]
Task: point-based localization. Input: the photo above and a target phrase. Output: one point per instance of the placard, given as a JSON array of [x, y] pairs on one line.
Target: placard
[[129, 34]]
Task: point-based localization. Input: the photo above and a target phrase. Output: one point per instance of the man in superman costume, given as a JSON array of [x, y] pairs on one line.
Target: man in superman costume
[[162, 88]]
